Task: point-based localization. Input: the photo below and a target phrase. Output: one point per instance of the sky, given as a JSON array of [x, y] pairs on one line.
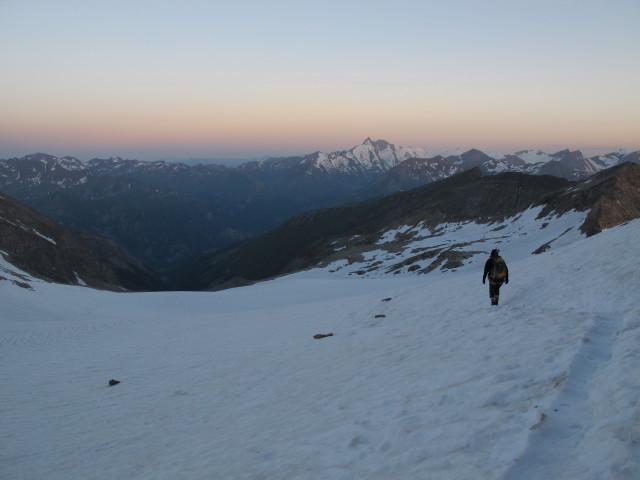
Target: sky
[[154, 79]]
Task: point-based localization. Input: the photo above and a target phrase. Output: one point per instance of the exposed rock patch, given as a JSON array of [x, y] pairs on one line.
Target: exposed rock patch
[[612, 198]]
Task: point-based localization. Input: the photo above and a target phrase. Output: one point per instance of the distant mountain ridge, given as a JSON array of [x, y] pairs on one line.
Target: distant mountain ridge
[[368, 160], [166, 212], [39, 174], [571, 165]]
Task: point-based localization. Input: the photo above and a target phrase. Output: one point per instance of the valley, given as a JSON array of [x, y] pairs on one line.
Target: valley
[[168, 214]]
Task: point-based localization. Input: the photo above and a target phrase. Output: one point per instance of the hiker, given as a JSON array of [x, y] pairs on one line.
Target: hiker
[[496, 269]]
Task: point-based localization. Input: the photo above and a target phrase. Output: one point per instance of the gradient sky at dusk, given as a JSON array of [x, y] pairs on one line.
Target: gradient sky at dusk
[[154, 79]]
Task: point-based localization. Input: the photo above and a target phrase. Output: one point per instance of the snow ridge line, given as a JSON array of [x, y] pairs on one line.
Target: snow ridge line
[[570, 416]]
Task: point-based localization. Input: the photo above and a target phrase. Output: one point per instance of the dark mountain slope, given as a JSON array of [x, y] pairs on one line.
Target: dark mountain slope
[[303, 240], [611, 196], [41, 247], [409, 174], [158, 225], [226, 188]]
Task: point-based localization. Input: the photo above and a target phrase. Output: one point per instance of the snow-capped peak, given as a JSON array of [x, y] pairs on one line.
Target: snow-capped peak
[[533, 156], [454, 152], [71, 163], [494, 155]]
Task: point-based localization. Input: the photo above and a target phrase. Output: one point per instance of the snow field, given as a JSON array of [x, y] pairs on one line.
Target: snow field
[[516, 237], [232, 385]]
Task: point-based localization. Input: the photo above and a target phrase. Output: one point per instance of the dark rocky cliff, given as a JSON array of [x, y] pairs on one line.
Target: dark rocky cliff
[[44, 249], [611, 196]]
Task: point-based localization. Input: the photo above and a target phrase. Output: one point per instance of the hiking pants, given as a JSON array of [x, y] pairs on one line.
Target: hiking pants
[[494, 289]]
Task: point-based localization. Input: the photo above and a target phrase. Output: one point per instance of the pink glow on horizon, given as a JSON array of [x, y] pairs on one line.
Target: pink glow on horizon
[[155, 79]]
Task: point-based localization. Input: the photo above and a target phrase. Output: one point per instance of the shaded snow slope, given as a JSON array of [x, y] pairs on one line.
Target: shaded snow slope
[[232, 385], [418, 249]]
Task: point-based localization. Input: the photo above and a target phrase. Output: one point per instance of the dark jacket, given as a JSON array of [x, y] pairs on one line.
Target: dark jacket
[[488, 267]]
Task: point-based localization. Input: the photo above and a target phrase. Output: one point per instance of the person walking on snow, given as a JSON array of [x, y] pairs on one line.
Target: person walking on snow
[[496, 269]]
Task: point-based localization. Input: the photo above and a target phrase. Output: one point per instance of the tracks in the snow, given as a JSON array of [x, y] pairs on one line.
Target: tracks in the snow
[[563, 425]]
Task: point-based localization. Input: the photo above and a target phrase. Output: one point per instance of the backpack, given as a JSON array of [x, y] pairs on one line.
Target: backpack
[[499, 270]]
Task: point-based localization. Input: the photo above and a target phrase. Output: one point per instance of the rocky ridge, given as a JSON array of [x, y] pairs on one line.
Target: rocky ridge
[[349, 233], [43, 248]]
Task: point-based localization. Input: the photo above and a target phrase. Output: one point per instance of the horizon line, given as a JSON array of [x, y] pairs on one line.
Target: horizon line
[[229, 158]]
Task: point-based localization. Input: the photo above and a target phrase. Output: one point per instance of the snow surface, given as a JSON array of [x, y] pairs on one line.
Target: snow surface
[[602, 162], [534, 156], [519, 236], [494, 154], [231, 385]]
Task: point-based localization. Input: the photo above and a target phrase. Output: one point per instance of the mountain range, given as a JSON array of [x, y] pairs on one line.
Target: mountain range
[[166, 214], [349, 233]]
